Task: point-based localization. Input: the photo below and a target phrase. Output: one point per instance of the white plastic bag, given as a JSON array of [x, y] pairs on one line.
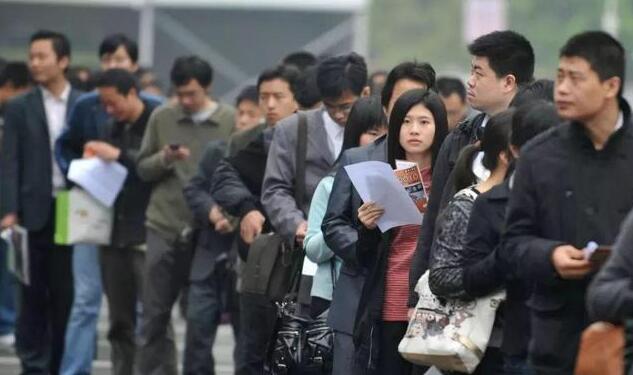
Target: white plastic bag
[[81, 219], [449, 334]]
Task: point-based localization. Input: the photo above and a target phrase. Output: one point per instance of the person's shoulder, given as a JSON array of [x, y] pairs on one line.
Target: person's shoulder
[[87, 99], [166, 109], [247, 134], [469, 124], [225, 114], [550, 140], [155, 100]]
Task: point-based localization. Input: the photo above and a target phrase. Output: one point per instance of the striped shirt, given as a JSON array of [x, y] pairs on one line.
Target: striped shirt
[[401, 252]]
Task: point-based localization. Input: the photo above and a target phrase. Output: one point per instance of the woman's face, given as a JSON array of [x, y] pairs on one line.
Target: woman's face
[[417, 131], [371, 135]]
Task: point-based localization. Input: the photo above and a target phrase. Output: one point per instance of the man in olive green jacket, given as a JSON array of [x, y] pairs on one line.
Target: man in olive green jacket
[[173, 144]]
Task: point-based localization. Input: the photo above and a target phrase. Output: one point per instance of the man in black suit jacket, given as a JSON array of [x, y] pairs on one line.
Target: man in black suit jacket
[[29, 180]]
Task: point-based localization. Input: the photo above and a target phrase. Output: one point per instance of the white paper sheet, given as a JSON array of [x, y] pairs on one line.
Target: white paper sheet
[[103, 180], [375, 182], [309, 267], [18, 262]]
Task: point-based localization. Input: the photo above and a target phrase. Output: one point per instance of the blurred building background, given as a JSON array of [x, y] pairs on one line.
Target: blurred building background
[[241, 37]]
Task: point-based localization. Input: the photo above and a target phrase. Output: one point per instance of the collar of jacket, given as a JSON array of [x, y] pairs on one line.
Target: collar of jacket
[[470, 127], [184, 118], [499, 192], [577, 131]]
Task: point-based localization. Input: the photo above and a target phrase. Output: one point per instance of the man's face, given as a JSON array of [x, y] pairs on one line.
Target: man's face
[[247, 115], [44, 63], [339, 108], [579, 94], [119, 59], [276, 100], [485, 91], [116, 104], [402, 85], [191, 96], [456, 109]]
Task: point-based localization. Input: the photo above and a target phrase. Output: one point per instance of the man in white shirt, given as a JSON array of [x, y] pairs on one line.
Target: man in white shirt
[[29, 181]]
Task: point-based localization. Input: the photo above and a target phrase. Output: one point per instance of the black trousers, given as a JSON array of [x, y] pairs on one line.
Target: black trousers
[[122, 275], [257, 325], [44, 305], [390, 361]]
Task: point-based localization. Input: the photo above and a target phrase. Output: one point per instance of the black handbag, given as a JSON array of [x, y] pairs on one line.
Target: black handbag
[[302, 345], [271, 261]]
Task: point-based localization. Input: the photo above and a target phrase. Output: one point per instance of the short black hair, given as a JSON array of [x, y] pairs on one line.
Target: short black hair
[[401, 107], [186, 68], [531, 119], [539, 89], [248, 94], [412, 70], [16, 73], [366, 114], [447, 86], [122, 80], [604, 53], [308, 94], [286, 73], [508, 52], [300, 60], [61, 44], [112, 42], [338, 74]]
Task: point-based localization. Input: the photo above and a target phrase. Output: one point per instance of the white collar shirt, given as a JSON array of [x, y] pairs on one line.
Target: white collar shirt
[[55, 108], [334, 134]]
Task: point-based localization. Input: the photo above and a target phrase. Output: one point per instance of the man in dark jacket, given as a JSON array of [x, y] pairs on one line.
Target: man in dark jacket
[[122, 261], [236, 187], [30, 179], [208, 282], [565, 195], [502, 61]]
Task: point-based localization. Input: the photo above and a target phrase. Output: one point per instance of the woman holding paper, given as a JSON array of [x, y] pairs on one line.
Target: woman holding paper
[[417, 127]]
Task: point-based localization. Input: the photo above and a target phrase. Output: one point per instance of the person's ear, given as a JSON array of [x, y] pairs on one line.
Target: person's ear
[[612, 86], [515, 151], [509, 82], [365, 93], [505, 157], [64, 63]]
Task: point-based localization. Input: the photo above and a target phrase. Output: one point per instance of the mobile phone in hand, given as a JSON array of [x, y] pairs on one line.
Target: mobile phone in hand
[[599, 257], [174, 146]]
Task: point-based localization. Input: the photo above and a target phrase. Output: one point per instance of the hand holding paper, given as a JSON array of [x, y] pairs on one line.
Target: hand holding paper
[[103, 180], [375, 182]]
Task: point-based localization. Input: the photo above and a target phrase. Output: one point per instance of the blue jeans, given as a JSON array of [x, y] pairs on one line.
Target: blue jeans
[[81, 333], [7, 293]]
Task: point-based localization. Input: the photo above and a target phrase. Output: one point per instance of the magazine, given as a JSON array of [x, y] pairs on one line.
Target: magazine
[[17, 241], [409, 175]]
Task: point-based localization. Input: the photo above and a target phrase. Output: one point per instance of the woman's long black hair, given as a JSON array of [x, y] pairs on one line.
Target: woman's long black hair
[[403, 105], [494, 141]]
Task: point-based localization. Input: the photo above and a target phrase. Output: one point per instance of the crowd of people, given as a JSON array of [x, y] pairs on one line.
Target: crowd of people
[[521, 175]]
